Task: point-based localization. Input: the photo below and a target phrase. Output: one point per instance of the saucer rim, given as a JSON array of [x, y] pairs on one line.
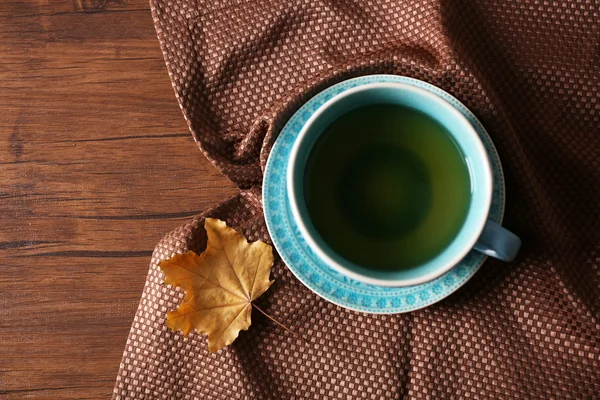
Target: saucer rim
[[474, 265]]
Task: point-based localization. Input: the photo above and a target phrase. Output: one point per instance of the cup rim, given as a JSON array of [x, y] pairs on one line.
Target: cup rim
[[322, 253]]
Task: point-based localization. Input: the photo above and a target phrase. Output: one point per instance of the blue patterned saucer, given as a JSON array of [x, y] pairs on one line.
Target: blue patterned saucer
[[327, 282]]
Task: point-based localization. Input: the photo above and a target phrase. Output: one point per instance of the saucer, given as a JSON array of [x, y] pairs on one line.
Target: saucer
[[313, 272]]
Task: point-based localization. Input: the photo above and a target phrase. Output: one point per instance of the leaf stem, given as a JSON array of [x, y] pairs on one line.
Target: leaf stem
[[273, 319]]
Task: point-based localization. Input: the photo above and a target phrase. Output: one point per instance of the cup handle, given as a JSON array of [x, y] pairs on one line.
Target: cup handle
[[498, 242]]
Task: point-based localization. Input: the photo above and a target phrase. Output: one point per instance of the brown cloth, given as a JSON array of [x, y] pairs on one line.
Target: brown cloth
[[529, 69]]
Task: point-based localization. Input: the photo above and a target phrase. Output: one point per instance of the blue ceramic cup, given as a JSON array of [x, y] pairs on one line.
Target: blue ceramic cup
[[477, 232]]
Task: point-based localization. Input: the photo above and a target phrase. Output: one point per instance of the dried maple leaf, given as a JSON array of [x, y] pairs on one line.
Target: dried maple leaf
[[220, 284]]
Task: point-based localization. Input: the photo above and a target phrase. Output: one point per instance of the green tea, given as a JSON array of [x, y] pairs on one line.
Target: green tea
[[387, 187]]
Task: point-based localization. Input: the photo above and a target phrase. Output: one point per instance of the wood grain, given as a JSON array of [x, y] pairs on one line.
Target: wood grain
[[96, 164]]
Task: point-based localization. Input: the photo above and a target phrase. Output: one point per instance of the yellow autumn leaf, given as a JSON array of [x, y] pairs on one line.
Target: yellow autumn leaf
[[220, 284]]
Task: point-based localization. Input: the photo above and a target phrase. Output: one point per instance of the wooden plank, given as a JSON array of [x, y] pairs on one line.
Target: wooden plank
[[96, 164]]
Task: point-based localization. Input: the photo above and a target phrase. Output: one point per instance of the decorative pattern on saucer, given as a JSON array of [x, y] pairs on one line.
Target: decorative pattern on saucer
[[327, 282]]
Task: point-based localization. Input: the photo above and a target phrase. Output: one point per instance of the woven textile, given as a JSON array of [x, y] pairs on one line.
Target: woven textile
[[530, 71]]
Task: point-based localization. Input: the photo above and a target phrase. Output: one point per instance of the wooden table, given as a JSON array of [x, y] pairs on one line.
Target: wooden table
[[96, 164]]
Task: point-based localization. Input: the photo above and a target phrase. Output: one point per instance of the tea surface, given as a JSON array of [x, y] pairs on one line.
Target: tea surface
[[387, 187]]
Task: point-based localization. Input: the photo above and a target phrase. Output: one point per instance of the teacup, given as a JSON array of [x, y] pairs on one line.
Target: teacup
[[473, 232]]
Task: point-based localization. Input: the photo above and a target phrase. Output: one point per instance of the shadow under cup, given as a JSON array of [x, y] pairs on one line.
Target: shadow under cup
[[462, 134]]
